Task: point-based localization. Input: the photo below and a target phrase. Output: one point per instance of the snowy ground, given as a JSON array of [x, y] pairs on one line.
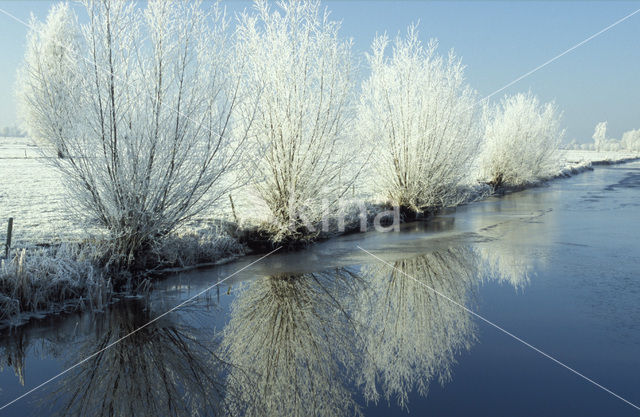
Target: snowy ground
[[31, 191], [576, 161], [594, 157]]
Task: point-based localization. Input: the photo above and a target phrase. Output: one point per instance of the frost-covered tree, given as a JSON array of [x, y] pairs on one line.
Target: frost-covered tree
[[522, 139], [141, 102], [602, 143], [631, 140], [301, 70], [600, 136], [420, 116], [50, 77]]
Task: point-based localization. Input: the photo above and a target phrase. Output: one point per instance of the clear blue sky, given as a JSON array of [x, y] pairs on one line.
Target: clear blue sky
[[498, 41]]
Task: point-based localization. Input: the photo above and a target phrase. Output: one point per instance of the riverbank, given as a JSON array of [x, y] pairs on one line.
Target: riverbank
[[577, 161], [32, 193], [52, 267]]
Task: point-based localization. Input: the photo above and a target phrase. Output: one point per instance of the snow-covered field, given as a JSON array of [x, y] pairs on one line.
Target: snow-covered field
[[595, 157], [575, 161], [32, 193]]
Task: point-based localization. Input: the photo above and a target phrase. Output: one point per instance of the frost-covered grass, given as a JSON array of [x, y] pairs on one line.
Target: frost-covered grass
[[576, 161], [53, 266], [194, 246], [58, 278], [73, 276]]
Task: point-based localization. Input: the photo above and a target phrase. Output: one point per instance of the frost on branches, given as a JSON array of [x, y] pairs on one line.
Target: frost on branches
[[522, 138], [49, 74], [600, 137], [139, 104], [420, 116], [301, 71]]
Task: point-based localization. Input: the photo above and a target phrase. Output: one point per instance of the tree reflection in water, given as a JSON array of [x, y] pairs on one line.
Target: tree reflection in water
[[165, 368], [414, 334], [297, 342], [515, 246], [306, 341], [12, 354]]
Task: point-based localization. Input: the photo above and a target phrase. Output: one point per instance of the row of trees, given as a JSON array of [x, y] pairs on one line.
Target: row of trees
[[12, 132], [161, 111], [630, 140]]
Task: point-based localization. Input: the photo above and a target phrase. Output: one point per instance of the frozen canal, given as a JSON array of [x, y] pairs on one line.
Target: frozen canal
[[334, 331]]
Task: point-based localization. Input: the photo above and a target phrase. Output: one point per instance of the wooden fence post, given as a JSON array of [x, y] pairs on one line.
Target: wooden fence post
[[8, 244]]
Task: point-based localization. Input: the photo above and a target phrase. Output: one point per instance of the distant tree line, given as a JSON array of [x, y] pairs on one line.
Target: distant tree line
[[630, 140], [12, 132]]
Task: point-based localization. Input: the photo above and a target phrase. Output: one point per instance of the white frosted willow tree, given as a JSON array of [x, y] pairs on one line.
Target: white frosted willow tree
[[631, 140], [302, 72], [420, 116], [600, 136], [522, 139], [44, 83], [140, 102]]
